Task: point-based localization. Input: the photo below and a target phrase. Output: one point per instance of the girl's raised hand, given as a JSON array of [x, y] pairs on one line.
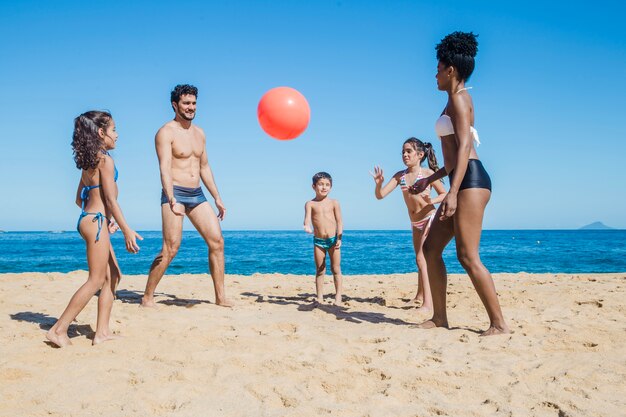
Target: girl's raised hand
[[378, 175]]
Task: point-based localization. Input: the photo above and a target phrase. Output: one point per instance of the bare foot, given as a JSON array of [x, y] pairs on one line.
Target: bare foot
[[338, 301], [224, 303], [493, 330], [431, 324], [104, 338], [61, 340], [147, 302], [412, 302], [424, 309]]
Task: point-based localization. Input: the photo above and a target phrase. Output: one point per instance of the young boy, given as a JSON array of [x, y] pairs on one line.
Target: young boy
[[324, 215]]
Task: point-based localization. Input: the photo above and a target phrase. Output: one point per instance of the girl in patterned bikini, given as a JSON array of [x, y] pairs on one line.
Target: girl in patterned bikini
[[420, 206]]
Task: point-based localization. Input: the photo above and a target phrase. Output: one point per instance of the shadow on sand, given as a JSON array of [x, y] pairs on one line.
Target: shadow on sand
[[46, 322], [306, 302]]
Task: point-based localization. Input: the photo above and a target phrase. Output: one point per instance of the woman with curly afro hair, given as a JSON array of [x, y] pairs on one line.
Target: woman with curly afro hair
[[94, 135], [460, 215]]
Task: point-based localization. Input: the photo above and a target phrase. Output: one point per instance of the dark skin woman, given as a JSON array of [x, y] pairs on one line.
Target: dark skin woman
[[460, 215]]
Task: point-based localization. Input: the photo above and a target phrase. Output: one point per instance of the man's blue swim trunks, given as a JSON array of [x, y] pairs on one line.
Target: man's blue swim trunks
[[188, 197]]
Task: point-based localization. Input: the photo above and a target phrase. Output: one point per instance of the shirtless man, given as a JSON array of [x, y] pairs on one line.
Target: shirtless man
[[183, 162]]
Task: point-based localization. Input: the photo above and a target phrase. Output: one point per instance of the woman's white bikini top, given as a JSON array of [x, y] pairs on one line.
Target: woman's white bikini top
[[444, 127]]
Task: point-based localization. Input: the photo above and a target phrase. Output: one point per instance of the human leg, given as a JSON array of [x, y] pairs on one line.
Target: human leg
[[114, 271], [439, 235], [105, 301], [207, 224], [335, 267], [423, 287], [97, 260], [468, 219], [319, 255], [172, 234]]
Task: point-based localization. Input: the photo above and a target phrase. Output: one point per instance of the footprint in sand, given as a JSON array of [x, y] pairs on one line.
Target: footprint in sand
[[361, 359], [597, 303]]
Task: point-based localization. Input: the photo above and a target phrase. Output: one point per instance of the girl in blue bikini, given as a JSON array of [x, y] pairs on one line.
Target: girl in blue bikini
[[94, 135], [420, 206]]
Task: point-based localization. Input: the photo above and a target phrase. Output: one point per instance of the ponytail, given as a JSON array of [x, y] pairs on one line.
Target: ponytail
[[429, 153]]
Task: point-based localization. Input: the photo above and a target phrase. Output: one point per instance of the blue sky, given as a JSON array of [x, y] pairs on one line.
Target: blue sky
[[549, 94]]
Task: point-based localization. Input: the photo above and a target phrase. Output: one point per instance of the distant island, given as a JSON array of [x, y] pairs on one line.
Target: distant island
[[596, 226]]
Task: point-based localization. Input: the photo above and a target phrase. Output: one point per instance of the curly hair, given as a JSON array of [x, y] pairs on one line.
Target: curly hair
[[322, 175], [428, 150], [86, 142], [181, 90], [458, 49]]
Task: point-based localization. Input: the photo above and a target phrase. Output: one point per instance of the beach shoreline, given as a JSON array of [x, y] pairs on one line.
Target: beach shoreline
[[274, 354]]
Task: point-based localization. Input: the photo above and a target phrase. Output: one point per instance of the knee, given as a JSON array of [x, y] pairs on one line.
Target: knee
[[216, 244], [420, 261], [429, 251], [97, 281], [320, 270], [335, 269], [170, 249], [469, 261]]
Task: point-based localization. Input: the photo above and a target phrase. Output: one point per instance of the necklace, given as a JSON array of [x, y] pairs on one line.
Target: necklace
[[463, 89]]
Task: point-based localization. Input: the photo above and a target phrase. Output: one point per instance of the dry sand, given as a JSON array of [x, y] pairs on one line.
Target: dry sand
[[274, 355]]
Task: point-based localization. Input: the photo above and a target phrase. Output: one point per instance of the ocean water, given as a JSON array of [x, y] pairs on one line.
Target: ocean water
[[291, 252]]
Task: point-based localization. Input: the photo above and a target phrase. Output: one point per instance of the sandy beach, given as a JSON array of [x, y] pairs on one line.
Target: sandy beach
[[276, 355]]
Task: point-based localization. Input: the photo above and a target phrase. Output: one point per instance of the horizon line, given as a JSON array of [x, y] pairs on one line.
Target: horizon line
[[300, 230]]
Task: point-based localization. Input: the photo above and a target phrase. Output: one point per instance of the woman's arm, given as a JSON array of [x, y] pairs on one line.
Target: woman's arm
[[460, 116], [459, 112], [421, 184]]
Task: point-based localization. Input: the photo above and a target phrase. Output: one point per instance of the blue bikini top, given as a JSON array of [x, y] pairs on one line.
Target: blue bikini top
[[84, 194]]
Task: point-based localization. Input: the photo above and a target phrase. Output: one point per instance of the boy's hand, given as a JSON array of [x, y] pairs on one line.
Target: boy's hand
[[378, 175], [308, 228], [338, 244]]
